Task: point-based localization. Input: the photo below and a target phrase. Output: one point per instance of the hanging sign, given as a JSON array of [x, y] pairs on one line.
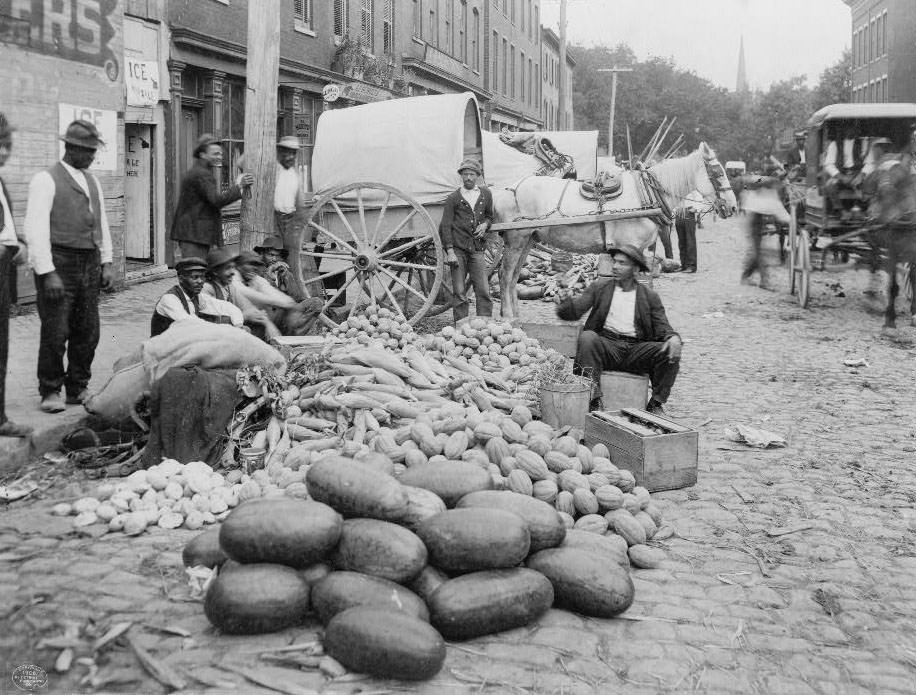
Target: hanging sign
[[142, 80]]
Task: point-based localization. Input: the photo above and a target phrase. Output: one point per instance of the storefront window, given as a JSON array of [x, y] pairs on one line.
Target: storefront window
[[233, 135]]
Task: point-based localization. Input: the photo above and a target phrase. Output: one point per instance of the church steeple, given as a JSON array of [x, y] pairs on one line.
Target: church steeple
[[741, 84]]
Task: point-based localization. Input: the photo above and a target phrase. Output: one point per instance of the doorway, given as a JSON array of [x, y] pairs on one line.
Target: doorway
[[139, 196]]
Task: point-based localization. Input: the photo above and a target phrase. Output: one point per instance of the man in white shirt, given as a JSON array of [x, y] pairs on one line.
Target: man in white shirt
[[12, 253], [70, 252], [843, 162], [185, 301], [288, 202], [626, 330]]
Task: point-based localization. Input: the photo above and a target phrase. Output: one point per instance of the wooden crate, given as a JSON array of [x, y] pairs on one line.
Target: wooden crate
[[665, 461], [623, 390], [562, 336]]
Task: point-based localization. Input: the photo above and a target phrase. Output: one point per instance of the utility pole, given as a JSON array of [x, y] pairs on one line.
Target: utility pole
[[261, 76], [610, 124], [562, 87]]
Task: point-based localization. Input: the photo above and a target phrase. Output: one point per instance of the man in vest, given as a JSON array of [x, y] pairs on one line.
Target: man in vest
[[185, 301], [466, 218], [70, 252], [12, 254]]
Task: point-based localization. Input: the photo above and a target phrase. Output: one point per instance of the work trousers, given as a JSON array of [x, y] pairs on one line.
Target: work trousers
[[664, 234], [475, 264], [597, 352], [7, 253], [69, 326], [754, 259], [686, 228], [191, 249], [290, 229]]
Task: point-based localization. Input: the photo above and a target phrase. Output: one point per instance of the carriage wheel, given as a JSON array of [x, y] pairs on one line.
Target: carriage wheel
[[793, 248], [385, 242], [803, 256]]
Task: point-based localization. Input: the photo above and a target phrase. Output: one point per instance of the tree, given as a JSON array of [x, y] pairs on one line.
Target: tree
[[835, 85]]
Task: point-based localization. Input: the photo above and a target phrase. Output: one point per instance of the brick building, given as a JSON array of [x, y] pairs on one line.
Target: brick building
[[550, 62], [883, 50], [58, 62]]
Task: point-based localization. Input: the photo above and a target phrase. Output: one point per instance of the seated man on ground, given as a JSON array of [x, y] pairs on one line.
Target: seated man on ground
[[185, 301], [276, 270], [223, 282], [626, 330], [290, 316]]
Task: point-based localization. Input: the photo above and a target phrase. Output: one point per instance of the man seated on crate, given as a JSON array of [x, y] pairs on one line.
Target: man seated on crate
[[626, 330]]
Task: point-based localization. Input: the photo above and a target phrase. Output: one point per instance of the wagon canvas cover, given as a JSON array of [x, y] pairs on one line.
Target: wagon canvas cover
[[504, 165], [414, 144]]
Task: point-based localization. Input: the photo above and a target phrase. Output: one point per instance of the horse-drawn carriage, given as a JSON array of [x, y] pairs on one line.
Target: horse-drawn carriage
[[837, 136], [382, 172]]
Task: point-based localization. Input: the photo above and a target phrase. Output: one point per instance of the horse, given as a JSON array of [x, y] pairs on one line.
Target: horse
[[892, 226], [546, 201]]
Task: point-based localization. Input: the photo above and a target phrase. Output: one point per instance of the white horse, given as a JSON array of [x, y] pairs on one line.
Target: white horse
[[546, 201]]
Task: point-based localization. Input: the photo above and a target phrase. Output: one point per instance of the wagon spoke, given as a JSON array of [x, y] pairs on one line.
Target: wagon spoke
[[404, 247], [381, 218], [414, 266], [323, 277], [333, 236], [397, 229], [401, 282], [362, 215], [344, 219], [335, 256], [338, 293], [394, 301]]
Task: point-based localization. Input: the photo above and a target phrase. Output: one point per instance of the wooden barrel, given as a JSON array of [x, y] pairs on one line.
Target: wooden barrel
[[565, 404]]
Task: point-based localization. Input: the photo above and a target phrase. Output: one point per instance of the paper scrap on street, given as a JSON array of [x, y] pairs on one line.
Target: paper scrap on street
[[753, 436], [17, 490], [714, 315], [856, 362]]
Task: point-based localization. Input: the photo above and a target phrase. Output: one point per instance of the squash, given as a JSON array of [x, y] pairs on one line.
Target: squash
[[259, 598], [381, 549], [471, 539], [339, 591], [584, 582], [491, 601], [545, 526], [384, 643], [451, 480], [280, 530], [204, 549], [356, 489]]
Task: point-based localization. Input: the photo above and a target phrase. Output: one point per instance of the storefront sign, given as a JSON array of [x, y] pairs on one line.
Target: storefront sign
[[302, 123], [106, 157], [331, 92], [142, 80], [365, 93]]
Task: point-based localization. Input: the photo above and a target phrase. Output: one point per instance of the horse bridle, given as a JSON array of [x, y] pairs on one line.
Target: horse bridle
[[716, 173]]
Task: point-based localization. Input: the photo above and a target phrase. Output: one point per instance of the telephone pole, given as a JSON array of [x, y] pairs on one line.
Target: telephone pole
[[610, 124], [562, 86], [261, 76]]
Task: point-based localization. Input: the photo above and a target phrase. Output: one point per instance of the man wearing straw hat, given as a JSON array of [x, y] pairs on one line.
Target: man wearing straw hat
[[626, 330], [70, 252], [288, 203], [466, 218]]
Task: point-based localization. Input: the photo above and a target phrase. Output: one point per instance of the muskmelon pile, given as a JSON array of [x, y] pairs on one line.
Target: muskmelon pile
[[488, 344], [376, 323]]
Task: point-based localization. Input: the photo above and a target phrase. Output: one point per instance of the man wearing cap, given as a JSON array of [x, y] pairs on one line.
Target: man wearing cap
[[288, 202], [198, 219], [185, 300], [276, 270], [12, 253], [70, 252], [224, 283], [626, 330], [466, 218]]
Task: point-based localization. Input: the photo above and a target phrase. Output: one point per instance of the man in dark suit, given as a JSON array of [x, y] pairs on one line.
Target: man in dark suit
[[626, 330], [466, 218], [198, 222], [12, 253]]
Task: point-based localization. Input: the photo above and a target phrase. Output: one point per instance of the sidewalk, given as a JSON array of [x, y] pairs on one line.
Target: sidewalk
[[125, 320]]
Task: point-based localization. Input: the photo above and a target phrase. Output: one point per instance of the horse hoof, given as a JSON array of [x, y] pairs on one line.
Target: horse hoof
[[889, 331]]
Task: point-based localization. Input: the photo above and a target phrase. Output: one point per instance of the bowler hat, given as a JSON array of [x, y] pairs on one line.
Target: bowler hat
[[470, 165], [190, 263], [631, 252], [249, 257], [272, 242], [83, 134], [220, 256], [5, 128], [204, 141], [289, 142]]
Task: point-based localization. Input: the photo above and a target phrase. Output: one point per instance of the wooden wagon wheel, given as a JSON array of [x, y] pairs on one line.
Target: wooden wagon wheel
[[383, 242], [793, 244], [799, 260]]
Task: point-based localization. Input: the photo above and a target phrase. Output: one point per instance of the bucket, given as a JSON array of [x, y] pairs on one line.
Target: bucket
[[565, 404], [251, 459]]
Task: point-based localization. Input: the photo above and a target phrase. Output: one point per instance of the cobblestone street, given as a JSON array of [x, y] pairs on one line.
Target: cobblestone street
[[790, 571]]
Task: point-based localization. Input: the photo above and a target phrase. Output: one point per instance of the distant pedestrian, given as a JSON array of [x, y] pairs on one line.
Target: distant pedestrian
[[12, 253], [198, 219], [466, 218], [70, 252], [288, 204], [685, 224]]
